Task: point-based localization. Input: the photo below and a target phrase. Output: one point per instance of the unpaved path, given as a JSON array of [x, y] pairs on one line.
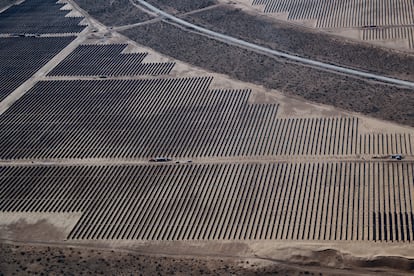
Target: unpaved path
[[251, 46]]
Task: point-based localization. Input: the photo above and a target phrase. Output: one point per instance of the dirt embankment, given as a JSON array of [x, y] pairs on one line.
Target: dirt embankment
[[46, 260], [60, 260], [305, 42], [113, 12], [374, 99]]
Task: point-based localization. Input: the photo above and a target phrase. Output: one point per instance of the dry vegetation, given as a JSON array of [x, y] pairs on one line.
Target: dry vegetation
[[113, 12], [52, 260], [46, 260], [377, 100], [122, 12], [181, 5], [303, 42]]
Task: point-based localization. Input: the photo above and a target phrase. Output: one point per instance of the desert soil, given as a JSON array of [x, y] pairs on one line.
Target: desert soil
[[43, 259]]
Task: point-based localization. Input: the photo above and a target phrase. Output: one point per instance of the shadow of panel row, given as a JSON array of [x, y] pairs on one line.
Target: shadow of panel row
[[344, 13], [107, 60], [38, 16], [278, 201], [160, 117], [22, 57]]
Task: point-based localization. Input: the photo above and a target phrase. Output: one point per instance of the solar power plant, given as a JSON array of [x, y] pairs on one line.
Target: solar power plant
[[171, 117], [349, 13], [107, 60], [300, 201], [377, 19], [111, 119], [143, 150], [21, 57], [118, 118], [38, 17]]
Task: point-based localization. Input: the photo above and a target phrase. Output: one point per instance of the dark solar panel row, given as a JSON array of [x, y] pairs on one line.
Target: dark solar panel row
[[339, 201], [107, 60], [160, 117], [21, 57], [38, 17]]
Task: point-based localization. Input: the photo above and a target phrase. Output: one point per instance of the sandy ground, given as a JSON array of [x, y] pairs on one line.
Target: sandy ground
[[55, 259], [51, 259]]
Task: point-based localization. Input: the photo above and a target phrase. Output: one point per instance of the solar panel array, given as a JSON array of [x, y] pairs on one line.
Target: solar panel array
[[21, 57], [344, 13], [346, 201], [137, 114], [383, 19], [178, 117], [38, 17], [390, 33], [107, 60]]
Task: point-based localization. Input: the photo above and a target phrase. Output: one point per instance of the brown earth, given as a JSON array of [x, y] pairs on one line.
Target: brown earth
[[370, 98], [18, 259], [46, 260]]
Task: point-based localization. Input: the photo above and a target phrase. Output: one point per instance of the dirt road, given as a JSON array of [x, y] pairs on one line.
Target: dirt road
[[260, 49]]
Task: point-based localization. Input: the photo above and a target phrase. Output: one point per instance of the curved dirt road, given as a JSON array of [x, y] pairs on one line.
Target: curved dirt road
[[245, 44]]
